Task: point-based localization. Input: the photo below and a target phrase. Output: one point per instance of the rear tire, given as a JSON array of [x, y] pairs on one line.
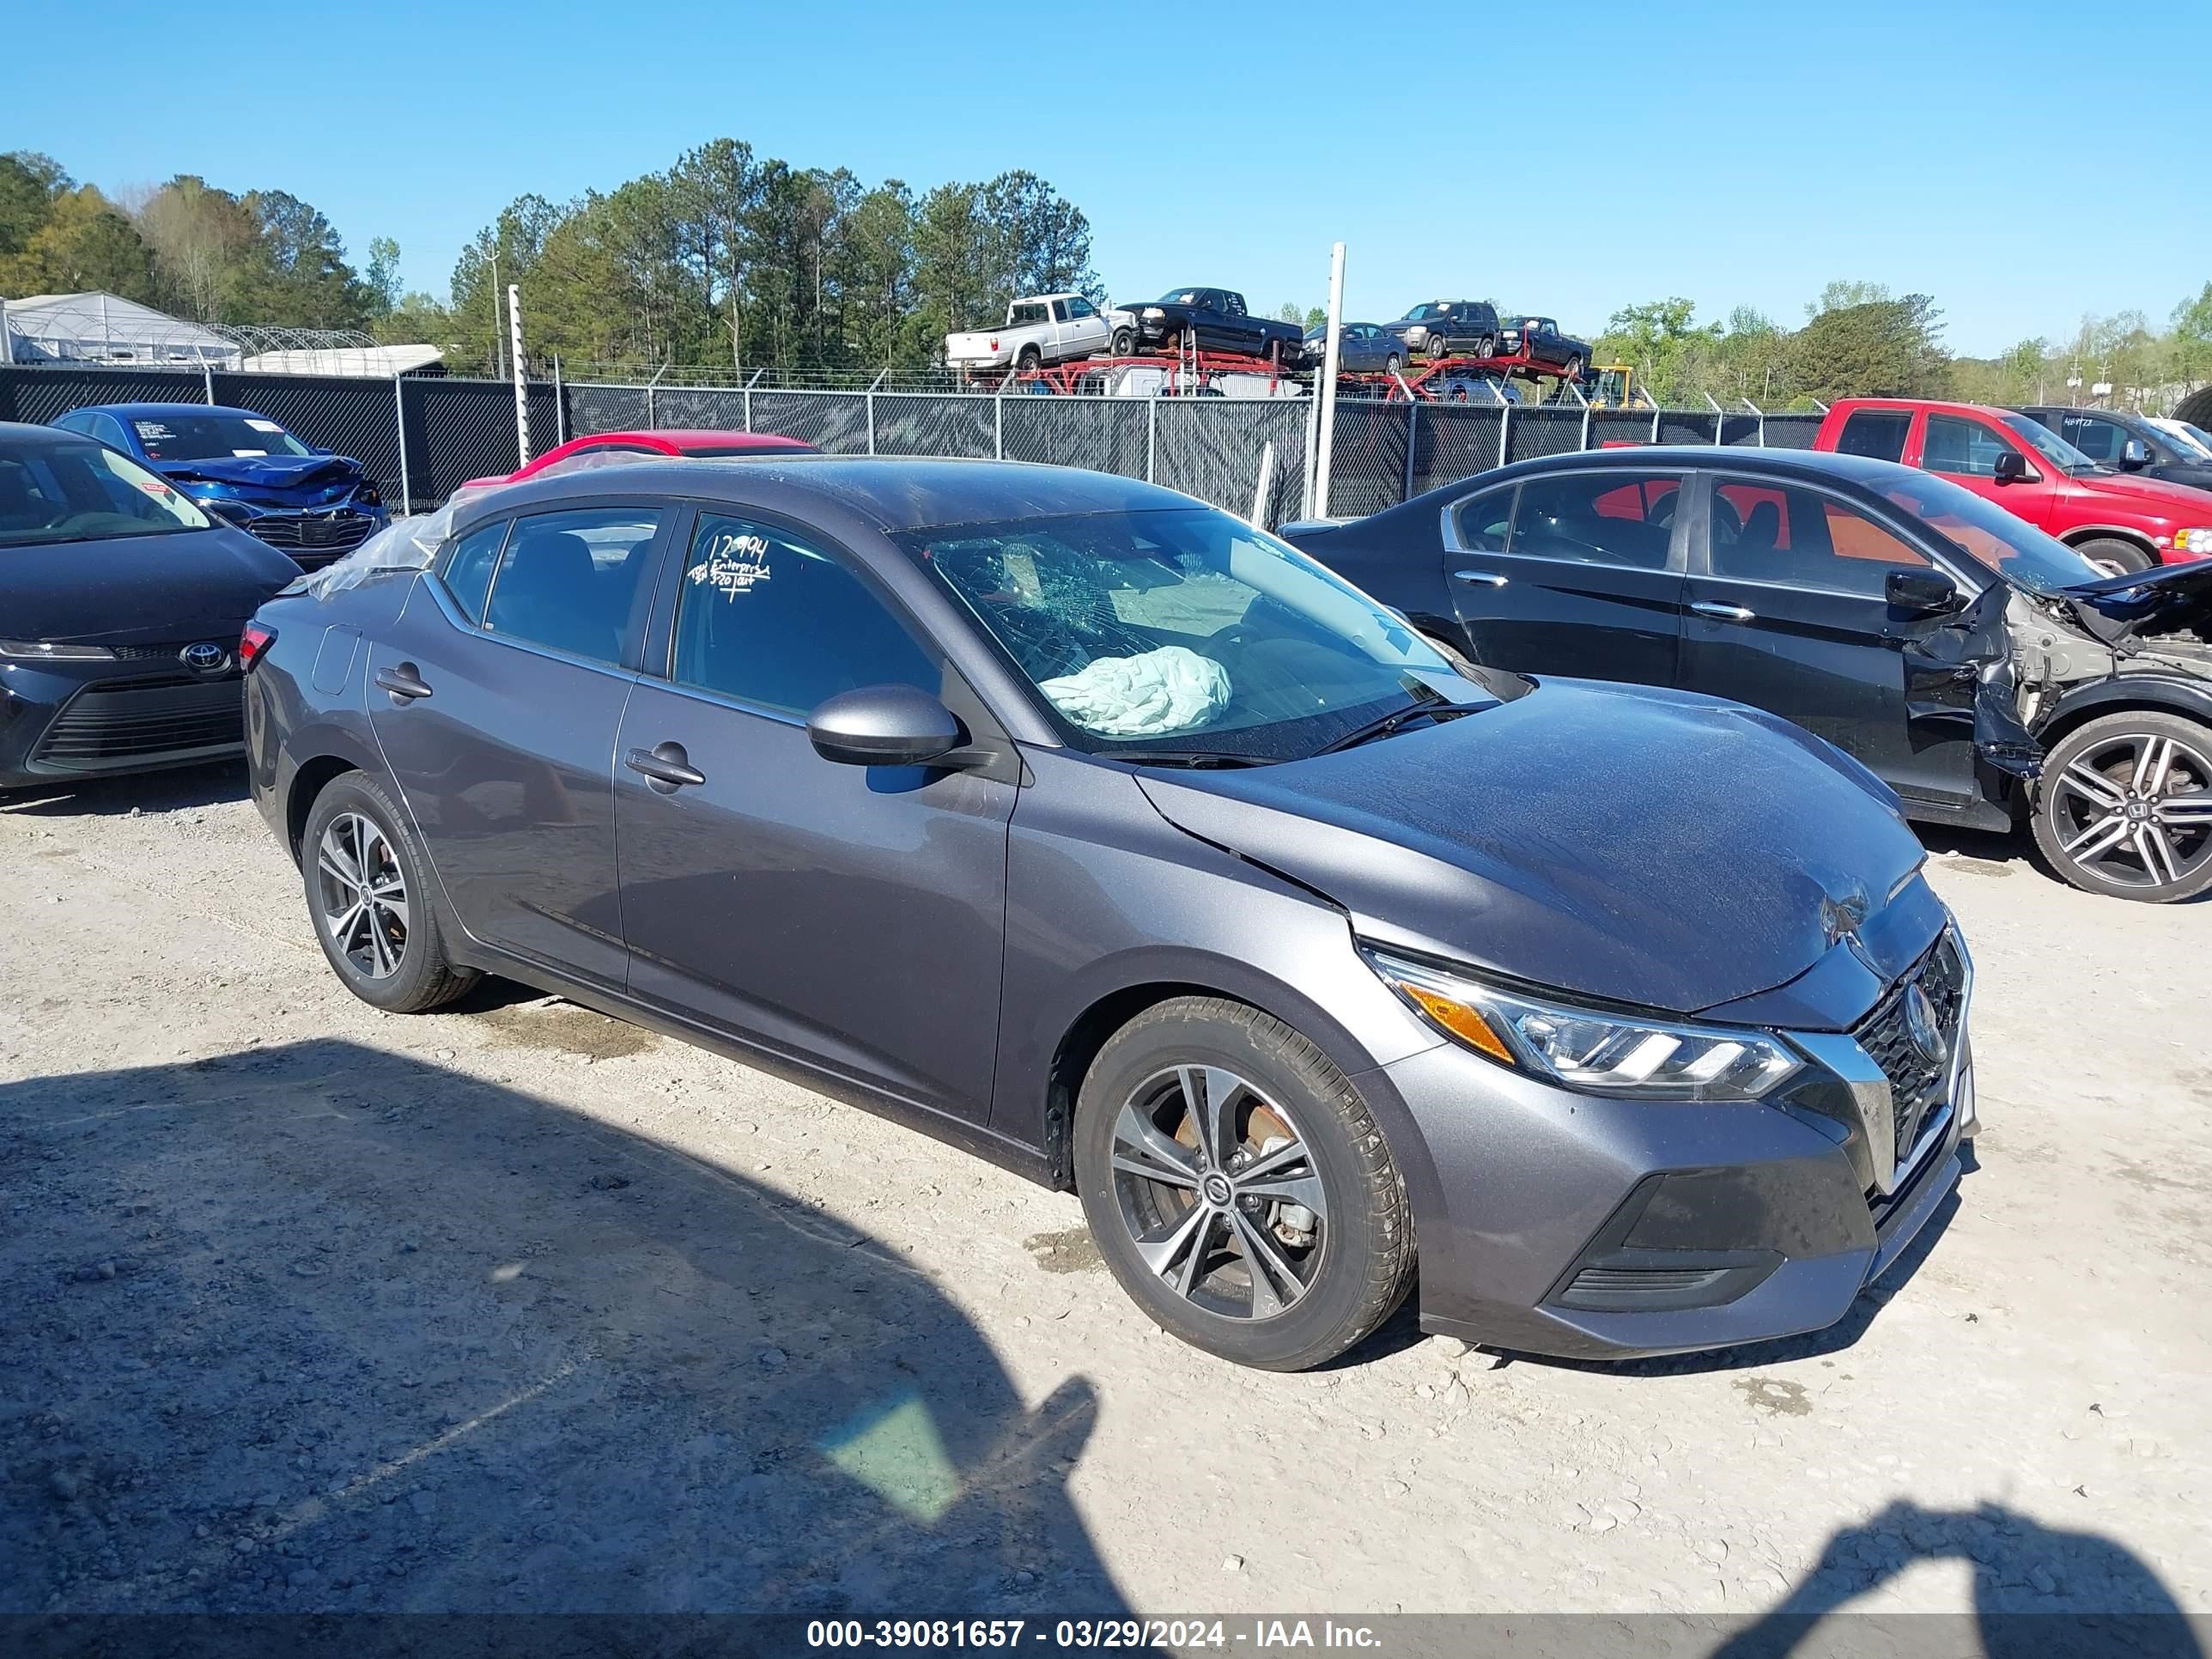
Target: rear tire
[[1487, 347], [1391, 365], [1028, 360], [2124, 807], [2114, 556], [368, 894], [1284, 1276]]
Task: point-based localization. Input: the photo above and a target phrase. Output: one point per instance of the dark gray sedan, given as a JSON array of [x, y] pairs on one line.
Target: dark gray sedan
[[1096, 831], [1362, 349]]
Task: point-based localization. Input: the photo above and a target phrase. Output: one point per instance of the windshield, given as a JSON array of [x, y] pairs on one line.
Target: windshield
[[1185, 630], [84, 492], [1990, 535], [213, 436], [2048, 444], [1179, 297]]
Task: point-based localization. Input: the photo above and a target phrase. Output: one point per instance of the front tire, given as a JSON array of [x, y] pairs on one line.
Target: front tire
[[2124, 807], [1238, 1187], [2114, 556], [1124, 343], [369, 893]]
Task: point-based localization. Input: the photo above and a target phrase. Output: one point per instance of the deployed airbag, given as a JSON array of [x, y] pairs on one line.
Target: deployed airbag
[[1170, 689]]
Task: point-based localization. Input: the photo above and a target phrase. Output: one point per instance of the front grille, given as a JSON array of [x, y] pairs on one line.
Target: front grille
[[313, 539], [1917, 1082], [170, 650], [105, 726]]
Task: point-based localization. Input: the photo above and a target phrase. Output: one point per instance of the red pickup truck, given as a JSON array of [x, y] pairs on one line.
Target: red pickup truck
[[2118, 520]]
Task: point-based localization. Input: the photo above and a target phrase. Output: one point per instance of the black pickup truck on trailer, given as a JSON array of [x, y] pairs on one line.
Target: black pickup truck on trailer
[[1216, 320]]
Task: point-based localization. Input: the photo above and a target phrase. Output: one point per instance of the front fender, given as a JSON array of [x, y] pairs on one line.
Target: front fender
[[2174, 692]]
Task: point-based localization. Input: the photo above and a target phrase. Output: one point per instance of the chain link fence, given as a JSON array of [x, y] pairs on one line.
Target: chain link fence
[[420, 438]]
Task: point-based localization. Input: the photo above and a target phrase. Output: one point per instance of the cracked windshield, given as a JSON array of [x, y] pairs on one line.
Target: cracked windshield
[[1185, 630]]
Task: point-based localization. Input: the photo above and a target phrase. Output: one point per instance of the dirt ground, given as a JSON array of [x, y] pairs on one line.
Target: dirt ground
[[515, 1307]]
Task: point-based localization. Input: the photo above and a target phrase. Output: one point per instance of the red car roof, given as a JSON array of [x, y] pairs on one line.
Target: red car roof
[[664, 440]]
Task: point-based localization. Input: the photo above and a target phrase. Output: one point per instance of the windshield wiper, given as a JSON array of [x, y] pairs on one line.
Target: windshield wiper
[[1391, 722], [1190, 757]]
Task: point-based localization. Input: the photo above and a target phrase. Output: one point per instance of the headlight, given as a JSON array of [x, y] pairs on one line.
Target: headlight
[[235, 512], [1153, 314], [48, 651], [1592, 1050], [2194, 541]]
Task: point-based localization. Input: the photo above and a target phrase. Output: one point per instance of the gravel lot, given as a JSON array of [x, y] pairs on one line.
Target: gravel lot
[[516, 1307]]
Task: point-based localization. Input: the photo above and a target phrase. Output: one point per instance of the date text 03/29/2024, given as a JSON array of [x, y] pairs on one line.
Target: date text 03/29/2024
[[1123, 1635]]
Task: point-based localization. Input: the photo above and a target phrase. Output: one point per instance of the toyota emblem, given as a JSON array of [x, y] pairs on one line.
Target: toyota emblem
[[1923, 1027], [204, 657]]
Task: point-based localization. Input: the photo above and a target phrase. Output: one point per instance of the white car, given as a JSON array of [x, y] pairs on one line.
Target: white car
[[2188, 436], [1039, 329]]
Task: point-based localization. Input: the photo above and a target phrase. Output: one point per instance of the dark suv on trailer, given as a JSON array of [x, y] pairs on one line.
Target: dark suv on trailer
[[1987, 672], [1450, 328], [1107, 837]]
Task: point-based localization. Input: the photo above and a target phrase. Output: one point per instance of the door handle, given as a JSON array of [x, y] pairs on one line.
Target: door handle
[[665, 766], [1479, 578], [404, 682], [1720, 612]]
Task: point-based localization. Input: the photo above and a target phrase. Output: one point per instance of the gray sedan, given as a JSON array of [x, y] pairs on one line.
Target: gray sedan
[[1362, 349], [1114, 841]]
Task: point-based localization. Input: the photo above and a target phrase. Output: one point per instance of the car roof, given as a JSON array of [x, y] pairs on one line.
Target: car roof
[[18, 432], [140, 411], [1864, 471], [887, 493]]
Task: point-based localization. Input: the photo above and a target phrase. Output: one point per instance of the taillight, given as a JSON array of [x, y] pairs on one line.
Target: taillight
[[251, 643]]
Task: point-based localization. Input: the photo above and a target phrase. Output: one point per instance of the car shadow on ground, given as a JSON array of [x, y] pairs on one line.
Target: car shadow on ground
[[2039, 1592], [322, 1328], [148, 791]]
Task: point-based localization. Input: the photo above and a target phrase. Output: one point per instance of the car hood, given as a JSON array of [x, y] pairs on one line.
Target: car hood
[[287, 479], [2144, 602], [131, 588], [1646, 846], [2173, 500]]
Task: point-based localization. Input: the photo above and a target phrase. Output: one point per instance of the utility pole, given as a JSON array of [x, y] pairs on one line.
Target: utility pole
[[1327, 390]]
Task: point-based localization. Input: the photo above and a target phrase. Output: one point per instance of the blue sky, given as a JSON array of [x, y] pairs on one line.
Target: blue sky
[[1577, 160]]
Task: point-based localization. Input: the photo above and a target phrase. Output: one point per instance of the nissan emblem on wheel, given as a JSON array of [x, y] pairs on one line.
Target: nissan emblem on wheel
[[1303, 951]]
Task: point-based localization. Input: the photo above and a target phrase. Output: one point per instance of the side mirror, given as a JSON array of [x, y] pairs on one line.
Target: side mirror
[[2011, 467], [883, 726], [1922, 592], [2135, 455]]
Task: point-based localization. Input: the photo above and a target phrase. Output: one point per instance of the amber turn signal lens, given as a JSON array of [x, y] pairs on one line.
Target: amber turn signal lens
[[1462, 1021]]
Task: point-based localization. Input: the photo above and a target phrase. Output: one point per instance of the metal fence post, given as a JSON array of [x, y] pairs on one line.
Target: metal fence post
[[207, 374], [749, 395], [1761, 414], [560, 405], [998, 420], [1655, 423], [1720, 417], [399, 426], [1413, 432], [1152, 433], [1504, 426], [873, 385]]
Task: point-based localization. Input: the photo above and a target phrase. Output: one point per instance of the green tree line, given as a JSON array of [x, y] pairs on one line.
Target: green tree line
[[186, 248], [1859, 340]]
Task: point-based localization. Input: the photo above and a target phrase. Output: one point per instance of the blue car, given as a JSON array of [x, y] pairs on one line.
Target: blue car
[[247, 470]]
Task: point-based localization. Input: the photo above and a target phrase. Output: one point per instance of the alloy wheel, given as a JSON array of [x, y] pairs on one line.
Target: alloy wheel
[[1219, 1192], [2135, 809], [363, 894]]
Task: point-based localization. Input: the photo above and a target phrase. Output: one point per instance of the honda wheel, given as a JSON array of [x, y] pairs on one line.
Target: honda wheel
[[2124, 807]]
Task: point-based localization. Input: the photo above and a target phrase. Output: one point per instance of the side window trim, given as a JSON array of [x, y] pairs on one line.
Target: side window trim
[[452, 550]]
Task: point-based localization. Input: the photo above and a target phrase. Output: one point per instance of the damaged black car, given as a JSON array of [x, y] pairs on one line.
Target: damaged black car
[[1987, 673]]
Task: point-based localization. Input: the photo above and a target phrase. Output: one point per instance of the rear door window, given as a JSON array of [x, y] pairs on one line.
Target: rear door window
[[1483, 522], [1877, 433], [576, 581], [1796, 538], [1610, 517]]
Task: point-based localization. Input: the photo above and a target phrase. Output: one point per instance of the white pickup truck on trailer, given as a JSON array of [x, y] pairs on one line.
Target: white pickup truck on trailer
[[1041, 329]]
